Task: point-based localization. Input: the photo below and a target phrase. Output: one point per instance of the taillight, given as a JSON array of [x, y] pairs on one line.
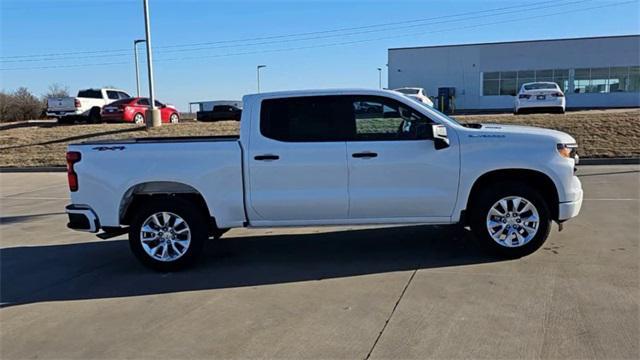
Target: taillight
[[523, 96], [72, 158], [77, 103], [558, 94]]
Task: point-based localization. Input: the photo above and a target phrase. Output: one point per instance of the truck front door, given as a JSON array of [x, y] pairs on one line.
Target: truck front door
[[395, 172]]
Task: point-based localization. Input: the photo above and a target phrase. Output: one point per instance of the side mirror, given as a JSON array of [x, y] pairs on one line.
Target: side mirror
[[440, 138]]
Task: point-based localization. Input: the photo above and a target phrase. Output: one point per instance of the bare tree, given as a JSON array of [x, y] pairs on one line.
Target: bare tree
[[57, 90], [25, 105], [5, 106]]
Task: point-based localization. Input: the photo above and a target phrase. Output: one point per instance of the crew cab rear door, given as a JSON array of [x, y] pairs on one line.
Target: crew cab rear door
[[297, 162], [395, 172]]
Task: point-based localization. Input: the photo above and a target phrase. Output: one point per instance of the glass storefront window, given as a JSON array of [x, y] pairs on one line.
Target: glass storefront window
[[508, 83], [599, 80], [561, 77], [544, 75], [524, 77], [585, 80], [618, 79], [581, 80], [634, 79]]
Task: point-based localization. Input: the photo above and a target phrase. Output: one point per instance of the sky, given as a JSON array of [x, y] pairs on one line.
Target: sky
[[209, 50]]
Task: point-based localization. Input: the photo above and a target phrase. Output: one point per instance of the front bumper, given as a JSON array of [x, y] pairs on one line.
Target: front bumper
[[570, 209], [82, 218]]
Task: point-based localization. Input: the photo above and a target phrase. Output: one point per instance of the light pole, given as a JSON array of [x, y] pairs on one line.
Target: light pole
[[135, 55], [258, 71], [153, 114], [379, 78]]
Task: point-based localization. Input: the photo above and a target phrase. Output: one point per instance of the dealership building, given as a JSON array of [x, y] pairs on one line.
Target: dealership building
[[594, 72]]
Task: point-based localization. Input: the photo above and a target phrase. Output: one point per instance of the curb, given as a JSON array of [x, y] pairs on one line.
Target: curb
[[35, 169], [587, 161], [609, 161]]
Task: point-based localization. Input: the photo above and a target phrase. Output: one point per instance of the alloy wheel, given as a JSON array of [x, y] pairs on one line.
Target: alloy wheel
[[513, 221], [165, 236]]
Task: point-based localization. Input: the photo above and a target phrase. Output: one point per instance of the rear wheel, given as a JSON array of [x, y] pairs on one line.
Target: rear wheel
[[138, 118], [168, 234], [173, 118], [94, 116], [511, 219]]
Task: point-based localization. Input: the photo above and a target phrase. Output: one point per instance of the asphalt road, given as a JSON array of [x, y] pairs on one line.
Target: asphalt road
[[381, 293]]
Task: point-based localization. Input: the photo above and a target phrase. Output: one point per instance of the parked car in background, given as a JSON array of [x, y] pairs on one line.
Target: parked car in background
[[308, 158], [87, 106], [417, 94], [134, 109], [540, 96], [220, 113]]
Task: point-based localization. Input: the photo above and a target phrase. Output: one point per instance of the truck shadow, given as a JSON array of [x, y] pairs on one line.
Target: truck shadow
[[106, 269]]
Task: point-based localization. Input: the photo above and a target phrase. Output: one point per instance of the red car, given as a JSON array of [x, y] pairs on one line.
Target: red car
[[133, 110]]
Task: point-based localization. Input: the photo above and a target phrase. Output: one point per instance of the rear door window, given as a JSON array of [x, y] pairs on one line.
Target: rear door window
[[143, 102], [307, 119], [90, 93]]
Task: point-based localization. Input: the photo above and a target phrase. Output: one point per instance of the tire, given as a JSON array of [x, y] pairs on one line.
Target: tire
[[516, 242], [94, 116], [182, 247], [174, 118], [138, 118], [64, 120]]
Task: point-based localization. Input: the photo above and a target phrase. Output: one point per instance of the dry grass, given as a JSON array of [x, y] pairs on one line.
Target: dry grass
[[610, 133], [599, 133]]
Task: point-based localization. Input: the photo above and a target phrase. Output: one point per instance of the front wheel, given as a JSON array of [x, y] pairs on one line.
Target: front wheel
[[173, 118], [511, 219], [168, 234]]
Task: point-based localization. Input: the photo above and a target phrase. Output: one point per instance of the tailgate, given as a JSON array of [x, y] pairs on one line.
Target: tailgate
[[61, 104]]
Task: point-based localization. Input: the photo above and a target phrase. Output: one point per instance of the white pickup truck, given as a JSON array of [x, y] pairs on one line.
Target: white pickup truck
[[326, 157], [86, 106]]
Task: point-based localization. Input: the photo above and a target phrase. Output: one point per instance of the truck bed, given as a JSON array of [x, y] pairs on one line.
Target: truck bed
[[109, 170]]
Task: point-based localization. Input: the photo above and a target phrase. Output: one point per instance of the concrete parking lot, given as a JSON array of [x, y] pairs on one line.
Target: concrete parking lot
[[409, 292]]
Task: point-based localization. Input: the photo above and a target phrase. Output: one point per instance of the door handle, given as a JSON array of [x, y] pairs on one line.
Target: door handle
[[267, 157], [364, 155]]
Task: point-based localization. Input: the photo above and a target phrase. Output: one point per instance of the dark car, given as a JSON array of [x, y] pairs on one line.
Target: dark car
[[220, 113]]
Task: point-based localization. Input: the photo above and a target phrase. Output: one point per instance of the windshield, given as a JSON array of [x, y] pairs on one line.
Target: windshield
[[540, 86], [434, 110], [408, 91]]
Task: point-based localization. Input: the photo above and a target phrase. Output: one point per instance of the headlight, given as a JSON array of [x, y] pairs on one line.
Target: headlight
[[568, 151]]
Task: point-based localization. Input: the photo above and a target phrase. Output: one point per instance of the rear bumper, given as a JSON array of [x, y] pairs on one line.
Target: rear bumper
[[82, 218], [571, 209], [63, 113], [548, 103]]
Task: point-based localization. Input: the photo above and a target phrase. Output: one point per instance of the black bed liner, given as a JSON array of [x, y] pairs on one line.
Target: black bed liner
[[175, 139]]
